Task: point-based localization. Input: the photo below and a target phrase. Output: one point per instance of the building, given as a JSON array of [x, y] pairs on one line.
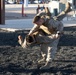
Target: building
[[14, 1], [63, 1], [73, 2], [55, 7]]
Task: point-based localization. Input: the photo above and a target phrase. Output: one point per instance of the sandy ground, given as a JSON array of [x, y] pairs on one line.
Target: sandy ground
[[14, 60], [17, 61]]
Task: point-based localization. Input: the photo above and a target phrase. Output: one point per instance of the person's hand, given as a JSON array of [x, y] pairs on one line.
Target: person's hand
[[20, 39], [55, 36]]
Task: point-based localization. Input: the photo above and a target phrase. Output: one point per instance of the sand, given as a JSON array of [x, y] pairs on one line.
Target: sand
[[14, 60]]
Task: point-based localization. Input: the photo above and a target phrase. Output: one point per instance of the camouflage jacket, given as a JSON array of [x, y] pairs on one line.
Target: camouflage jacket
[[50, 26]]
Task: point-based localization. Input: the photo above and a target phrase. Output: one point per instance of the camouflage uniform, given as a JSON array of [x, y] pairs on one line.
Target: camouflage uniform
[[44, 34], [50, 27]]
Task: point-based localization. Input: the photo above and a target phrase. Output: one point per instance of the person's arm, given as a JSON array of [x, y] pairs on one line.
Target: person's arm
[[60, 28]]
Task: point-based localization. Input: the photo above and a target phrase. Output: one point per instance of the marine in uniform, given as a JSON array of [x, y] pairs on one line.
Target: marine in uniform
[[47, 32]]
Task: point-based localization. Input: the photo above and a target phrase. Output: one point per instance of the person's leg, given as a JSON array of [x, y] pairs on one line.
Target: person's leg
[[51, 50], [54, 48], [63, 13], [44, 43], [48, 12], [44, 48], [48, 59]]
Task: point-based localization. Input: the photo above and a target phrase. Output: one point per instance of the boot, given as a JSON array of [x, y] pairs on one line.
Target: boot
[[47, 12], [68, 8], [42, 60], [46, 66]]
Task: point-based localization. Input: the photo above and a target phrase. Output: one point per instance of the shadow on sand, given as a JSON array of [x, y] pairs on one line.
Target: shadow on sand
[[11, 38], [13, 68]]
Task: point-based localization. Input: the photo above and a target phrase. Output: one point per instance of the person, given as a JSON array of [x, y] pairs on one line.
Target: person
[[40, 8], [37, 10], [47, 31]]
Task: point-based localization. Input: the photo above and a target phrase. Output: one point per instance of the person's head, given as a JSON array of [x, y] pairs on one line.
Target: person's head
[[38, 20]]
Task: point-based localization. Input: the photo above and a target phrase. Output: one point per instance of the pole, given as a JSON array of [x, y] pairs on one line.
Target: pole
[[22, 10], [2, 11]]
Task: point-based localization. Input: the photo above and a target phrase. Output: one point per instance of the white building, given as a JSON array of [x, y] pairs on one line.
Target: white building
[[56, 7]]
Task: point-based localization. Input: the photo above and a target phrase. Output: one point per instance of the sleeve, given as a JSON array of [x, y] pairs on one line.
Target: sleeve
[[60, 27], [34, 29], [56, 24]]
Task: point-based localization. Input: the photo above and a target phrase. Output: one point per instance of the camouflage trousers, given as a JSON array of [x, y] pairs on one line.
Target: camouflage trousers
[[48, 47], [61, 16]]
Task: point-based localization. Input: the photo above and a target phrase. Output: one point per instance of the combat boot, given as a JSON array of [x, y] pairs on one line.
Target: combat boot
[[42, 60], [46, 66], [68, 7]]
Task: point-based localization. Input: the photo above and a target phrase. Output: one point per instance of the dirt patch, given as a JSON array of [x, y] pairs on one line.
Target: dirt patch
[[17, 61]]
